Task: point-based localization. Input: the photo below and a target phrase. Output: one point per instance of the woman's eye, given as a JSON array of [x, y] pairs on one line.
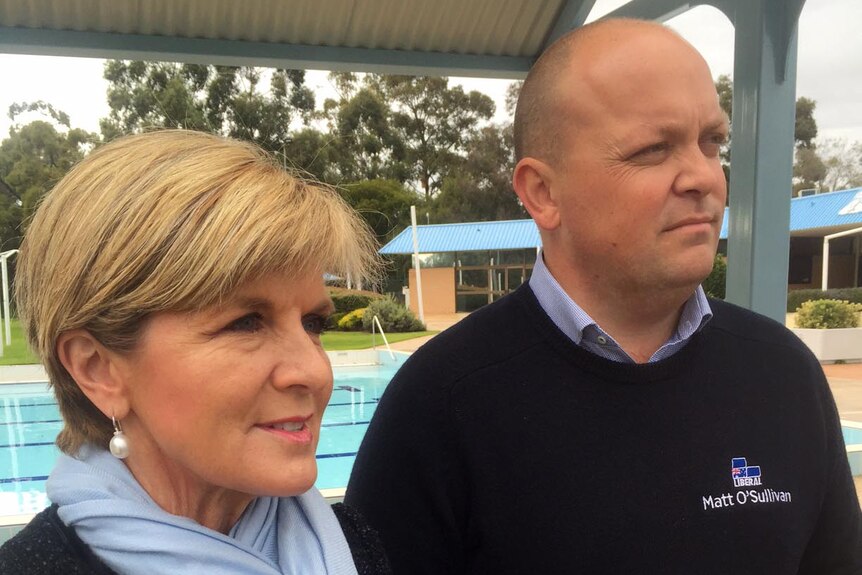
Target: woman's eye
[[314, 324], [248, 323]]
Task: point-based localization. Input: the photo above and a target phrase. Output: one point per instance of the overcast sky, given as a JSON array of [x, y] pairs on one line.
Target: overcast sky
[[829, 68]]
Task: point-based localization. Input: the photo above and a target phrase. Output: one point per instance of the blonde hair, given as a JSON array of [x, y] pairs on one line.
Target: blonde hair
[[170, 220]]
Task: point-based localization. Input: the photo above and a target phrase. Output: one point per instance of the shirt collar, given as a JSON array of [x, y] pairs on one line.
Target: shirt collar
[[574, 321]]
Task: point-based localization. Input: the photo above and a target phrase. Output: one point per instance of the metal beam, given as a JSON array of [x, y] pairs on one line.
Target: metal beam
[[764, 106], [573, 15], [237, 53], [664, 10]]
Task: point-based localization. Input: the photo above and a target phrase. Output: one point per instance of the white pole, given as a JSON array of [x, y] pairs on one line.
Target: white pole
[[6, 319], [416, 264], [7, 316], [824, 280]]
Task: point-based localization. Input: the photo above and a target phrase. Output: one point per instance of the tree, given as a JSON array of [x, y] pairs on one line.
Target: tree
[[805, 129], [32, 159], [221, 99], [363, 142], [808, 168], [433, 122], [384, 204], [842, 164], [481, 188]]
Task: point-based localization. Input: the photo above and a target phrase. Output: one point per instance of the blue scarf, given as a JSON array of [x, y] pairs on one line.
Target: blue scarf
[[99, 498]]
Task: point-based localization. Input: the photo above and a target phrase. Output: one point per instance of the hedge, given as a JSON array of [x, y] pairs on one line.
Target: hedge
[[796, 298]]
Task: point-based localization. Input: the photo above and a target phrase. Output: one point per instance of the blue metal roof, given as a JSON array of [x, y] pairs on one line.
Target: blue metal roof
[[827, 210], [471, 236]]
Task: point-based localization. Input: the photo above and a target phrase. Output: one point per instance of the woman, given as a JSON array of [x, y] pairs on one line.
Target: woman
[[172, 285]]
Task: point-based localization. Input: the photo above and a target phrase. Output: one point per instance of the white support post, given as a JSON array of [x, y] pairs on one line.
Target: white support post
[[7, 316], [416, 266], [824, 279]]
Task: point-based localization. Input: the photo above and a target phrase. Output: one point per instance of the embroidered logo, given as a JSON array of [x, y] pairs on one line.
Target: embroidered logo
[[744, 475]]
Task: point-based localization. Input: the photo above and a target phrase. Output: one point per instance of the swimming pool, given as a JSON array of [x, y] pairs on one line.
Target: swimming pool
[[30, 420]]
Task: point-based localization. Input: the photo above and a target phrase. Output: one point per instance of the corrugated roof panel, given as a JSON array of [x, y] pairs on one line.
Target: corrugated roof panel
[[487, 27], [829, 210], [508, 235]]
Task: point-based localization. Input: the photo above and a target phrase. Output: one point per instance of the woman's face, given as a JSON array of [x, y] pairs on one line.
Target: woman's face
[[231, 397]]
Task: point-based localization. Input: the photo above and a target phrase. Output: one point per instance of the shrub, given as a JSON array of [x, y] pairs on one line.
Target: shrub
[[352, 321], [796, 298], [828, 314], [332, 322], [394, 317], [346, 302], [714, 284]]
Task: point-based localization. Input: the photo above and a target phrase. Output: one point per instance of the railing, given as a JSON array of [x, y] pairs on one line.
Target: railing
[[375, 325]]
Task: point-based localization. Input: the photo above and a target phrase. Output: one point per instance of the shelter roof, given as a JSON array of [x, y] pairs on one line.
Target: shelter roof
[[813, 216], [447, 37], [471, 236]]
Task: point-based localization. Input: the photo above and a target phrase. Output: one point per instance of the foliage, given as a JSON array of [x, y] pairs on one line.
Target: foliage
[[345, 301], [828, 314], [805, 169], [432, 122], [364, 143], [384, 204], [805, 129], [220, 99], [808, 170], [714, 284], [341, 340], [32, 159], [352, 321], [481, 189], [796, 298], [393, 316], [842, 164]]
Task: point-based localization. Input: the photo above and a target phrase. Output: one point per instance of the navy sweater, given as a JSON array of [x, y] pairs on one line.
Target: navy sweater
[[502, 447]]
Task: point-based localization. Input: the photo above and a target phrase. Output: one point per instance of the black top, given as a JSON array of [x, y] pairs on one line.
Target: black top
[[47, 546], [503, 447]]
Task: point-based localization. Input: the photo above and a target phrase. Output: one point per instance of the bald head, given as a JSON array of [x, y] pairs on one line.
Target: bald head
[[561, 80]]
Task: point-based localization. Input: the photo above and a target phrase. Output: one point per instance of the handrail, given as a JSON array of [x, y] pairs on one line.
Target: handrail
[[376, 322]]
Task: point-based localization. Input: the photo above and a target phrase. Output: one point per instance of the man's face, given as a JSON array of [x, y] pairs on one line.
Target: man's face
[[638, 181]]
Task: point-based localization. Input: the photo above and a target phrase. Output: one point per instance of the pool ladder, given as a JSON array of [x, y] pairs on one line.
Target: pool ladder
[[375, 325]]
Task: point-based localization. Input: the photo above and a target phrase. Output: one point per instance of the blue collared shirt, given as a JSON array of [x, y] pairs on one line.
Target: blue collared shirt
[[585, 332]]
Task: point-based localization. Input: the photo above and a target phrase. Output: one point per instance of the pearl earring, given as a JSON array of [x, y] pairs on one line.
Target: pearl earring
[[119, 444]]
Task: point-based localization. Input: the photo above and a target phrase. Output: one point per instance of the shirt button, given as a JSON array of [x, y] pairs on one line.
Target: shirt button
[[602, 340]]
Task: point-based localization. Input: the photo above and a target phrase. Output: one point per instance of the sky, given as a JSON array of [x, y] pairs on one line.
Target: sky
[[829, 69]]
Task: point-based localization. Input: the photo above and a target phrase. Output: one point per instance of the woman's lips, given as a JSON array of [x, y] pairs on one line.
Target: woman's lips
[[294, 429]]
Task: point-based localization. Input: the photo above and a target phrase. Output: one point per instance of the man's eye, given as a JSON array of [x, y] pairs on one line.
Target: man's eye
[[712, 146], [248, 323], [314, 324], [654, 149]]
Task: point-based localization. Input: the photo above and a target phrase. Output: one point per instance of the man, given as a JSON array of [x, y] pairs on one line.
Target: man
[[607, 417]]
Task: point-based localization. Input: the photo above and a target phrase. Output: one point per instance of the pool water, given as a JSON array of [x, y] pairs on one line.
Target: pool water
[[30, 421]]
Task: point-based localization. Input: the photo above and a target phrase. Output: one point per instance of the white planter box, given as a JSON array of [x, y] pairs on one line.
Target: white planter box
[[833, 344]]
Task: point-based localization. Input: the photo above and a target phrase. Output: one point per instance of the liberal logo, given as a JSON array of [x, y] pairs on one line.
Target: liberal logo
[[744, 474]]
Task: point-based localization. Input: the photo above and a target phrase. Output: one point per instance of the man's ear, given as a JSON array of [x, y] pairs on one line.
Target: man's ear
[[94, 368], [532, 180]]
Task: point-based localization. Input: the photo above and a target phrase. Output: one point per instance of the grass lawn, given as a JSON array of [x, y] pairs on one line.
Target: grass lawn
[[19, 353], [339, 340]]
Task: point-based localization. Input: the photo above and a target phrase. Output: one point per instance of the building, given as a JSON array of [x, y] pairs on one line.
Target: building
[[467, 265]]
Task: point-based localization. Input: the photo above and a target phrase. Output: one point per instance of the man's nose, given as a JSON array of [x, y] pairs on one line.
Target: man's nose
[[698, 173]]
